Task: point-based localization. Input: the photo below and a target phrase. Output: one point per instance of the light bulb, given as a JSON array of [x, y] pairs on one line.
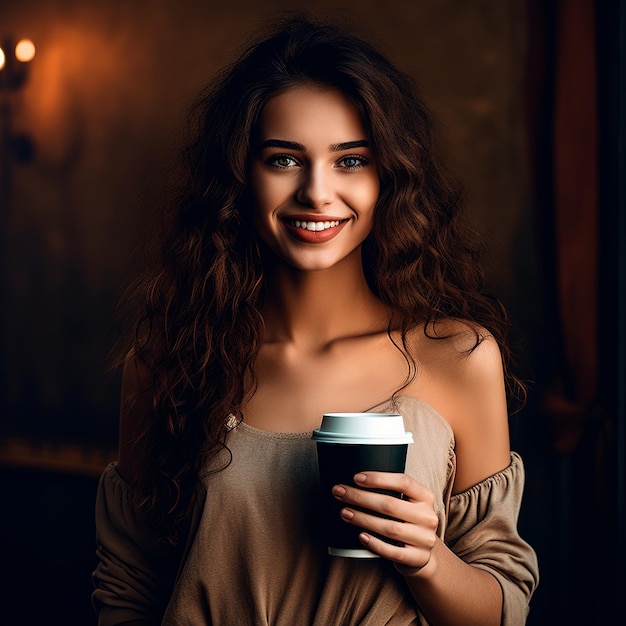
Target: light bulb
[[2, 58], [25, 50]]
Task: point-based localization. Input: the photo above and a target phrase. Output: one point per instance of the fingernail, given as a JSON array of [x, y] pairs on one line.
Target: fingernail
[[364, 538], [360, 478], [339, 491], [347, 514]]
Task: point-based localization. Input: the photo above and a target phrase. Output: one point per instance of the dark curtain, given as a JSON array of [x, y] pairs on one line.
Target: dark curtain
[[573, 94], [563, 110]]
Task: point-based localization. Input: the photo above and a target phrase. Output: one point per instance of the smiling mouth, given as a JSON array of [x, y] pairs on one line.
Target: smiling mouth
[[314, 226]]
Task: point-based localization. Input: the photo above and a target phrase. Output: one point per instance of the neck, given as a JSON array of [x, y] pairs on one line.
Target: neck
[[315, 308]]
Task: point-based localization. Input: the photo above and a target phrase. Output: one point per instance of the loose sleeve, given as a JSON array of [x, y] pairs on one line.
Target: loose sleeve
[[482, 530], [135, 572]]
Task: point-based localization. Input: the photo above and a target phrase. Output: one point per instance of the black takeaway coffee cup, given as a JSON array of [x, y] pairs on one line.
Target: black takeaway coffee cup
[[349, 443]]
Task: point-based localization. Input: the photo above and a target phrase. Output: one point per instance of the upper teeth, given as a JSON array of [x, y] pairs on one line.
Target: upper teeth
[[314, 225]]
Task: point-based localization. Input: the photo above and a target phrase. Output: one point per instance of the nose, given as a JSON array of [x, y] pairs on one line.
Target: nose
[[316, 188]]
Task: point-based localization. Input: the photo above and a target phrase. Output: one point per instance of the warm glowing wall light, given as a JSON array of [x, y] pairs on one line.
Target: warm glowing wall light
[[2, 58], [25, 50]]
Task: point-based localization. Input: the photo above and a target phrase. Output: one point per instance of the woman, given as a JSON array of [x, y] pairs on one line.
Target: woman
[[316, 263]]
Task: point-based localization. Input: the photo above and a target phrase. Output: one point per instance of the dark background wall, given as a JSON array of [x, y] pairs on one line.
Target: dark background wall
[[104, 105]]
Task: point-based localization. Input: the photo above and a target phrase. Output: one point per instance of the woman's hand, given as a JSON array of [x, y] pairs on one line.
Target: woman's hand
[[414, 522]]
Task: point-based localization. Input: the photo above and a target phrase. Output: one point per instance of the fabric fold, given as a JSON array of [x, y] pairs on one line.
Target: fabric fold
[[135, 573], [482, 530]]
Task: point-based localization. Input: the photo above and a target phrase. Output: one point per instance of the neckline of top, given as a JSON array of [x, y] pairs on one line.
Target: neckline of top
[[307, 434]]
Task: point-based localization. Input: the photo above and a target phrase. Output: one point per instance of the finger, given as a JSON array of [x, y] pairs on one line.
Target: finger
[[410, 557], [390, 481], [382, 504], [421, 534], [407, 510]]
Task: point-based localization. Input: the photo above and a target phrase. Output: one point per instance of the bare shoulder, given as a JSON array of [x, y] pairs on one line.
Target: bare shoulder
[[136, 407], [462, 377]]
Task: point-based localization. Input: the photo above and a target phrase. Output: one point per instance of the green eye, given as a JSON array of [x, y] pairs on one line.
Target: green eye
[[282, 161], [353, 162]]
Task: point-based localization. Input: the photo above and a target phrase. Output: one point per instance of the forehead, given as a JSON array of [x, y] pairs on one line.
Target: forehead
[[311, 115]]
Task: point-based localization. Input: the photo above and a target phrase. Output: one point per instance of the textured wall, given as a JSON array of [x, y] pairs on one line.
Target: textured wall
[[104, 104]]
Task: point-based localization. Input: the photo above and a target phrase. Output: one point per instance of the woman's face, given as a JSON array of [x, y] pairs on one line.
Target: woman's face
[[313, 178]]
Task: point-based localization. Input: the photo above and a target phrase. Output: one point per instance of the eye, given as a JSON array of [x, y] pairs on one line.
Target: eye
[[282, 161], [352, 162]]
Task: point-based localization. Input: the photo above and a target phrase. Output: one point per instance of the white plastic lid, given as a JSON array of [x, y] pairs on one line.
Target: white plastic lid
[[362, 428]]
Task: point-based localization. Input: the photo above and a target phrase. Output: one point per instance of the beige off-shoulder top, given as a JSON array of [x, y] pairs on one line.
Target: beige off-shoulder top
[[255, 554]]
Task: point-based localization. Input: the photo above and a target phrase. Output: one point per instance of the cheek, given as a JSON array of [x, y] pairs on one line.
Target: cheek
[[365, 196], [268, 193], [261, 196]]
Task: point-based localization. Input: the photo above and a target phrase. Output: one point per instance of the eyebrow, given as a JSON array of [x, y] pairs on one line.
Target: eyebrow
[[292, 145]]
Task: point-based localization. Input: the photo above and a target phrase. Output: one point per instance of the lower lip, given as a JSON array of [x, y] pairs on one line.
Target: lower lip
[[315, 236]]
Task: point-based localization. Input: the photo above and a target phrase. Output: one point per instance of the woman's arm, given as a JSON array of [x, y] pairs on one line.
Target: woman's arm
[[136, 410], [134, 573], [468, 389]]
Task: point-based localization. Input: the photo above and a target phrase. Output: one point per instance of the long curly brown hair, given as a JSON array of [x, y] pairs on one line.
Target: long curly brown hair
[[198, 326]]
